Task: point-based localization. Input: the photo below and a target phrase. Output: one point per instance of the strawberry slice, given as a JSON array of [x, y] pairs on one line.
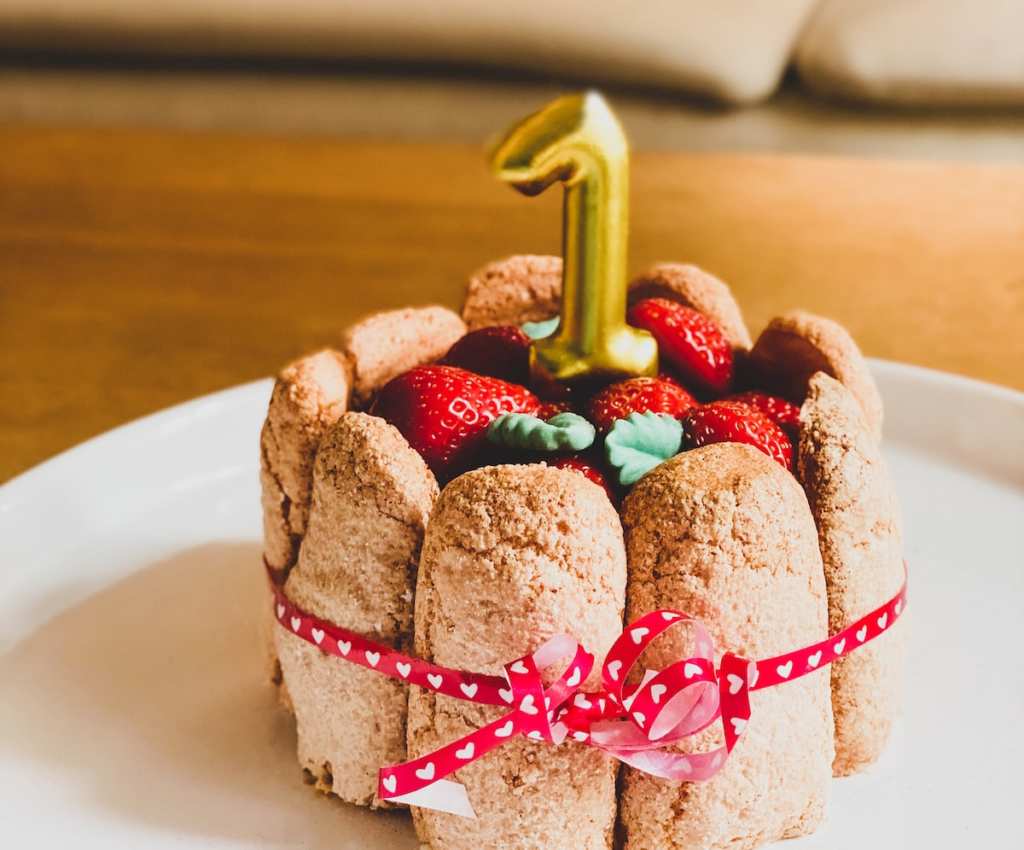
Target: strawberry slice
[[691, 343], [638, 395], [783, 413], [585, 467], [736, 422], [501, 351], [444, 412]]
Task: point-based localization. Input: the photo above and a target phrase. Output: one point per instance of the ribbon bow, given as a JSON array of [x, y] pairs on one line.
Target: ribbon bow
[[634, 723]]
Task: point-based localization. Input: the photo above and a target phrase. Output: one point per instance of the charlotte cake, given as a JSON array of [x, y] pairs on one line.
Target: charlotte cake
[[771, 544]]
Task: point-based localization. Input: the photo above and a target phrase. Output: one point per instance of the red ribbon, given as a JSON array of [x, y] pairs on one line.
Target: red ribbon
[[635, 724]]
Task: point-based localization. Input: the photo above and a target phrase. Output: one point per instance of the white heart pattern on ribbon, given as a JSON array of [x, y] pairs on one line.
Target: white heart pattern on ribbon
[[882, 621], [785, 669], [427, 772], [639, 633], [519, 668], [280, 610], [403, 669], [466, 753], [691, 670], [580, 701], [574, 678], [527, 706], [372, 658], [506, 694], [344, 646], [657, 692], [435, 679], [839, 646], [613, 669], [468, 690], [318, 635], [390, 784], [735, 683], [862, 633], [738, 725], [296, 622], [814, 660], [505, 730]]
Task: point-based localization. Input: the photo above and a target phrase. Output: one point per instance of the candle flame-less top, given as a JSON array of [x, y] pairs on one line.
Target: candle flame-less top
[[577, 140]]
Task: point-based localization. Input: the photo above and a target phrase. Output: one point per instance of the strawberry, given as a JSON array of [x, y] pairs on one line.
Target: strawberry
[[444, 412], [783, 413], [584, 466], [501, 351], [553, 408], [691, 343], [638, 395], [736, 422]]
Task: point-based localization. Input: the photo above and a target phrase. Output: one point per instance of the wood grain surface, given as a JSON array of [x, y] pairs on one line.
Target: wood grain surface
[[139, 269]]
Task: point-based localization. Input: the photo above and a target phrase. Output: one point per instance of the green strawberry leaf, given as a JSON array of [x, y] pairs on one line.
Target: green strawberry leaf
[[641, 441], [540, 330], [560, 432]]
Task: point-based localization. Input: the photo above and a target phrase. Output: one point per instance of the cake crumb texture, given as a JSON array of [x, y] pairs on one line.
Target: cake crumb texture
[[692, 286], [725, 534], [521, 288], [372, 496], [384, 345], [797, 344], [859, 531], [512, 556]]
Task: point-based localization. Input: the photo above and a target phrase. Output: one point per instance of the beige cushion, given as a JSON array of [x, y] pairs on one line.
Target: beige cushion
[[731, 50], [952, 52]]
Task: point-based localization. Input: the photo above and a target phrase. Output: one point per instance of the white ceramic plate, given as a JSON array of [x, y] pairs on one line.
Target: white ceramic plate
[[132, 711]]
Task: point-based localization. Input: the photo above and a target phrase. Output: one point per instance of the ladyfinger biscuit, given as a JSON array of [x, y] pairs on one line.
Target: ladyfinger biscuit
[[522, 288], [858, 522], [384, 345], [796, 345], [725, 534], [696, 288], [308, 397], [372, 495], [512, 556]]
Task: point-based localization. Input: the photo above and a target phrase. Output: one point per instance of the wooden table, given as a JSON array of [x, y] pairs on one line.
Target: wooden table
[[139, 269]]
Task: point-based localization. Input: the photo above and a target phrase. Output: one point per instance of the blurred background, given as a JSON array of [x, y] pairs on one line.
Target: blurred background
[[194, 192], [914, 78]]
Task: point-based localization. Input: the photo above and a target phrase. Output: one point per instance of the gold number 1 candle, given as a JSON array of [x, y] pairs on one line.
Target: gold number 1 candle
[[578, 141]]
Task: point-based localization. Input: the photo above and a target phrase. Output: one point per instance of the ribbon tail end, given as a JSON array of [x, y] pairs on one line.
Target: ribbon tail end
[[441, 796]]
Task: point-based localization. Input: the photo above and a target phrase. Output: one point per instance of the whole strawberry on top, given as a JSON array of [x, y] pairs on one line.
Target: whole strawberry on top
[[501, 351], [638, 395], [444, 411], [783, 413], [736, 422], [690, 342]]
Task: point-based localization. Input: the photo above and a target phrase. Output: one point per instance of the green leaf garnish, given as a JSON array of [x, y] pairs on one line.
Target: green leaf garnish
[[641, 441], [540, 330], [561, 432]]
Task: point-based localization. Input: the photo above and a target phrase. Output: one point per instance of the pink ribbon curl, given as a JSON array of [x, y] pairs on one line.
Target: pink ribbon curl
[[637, 724]]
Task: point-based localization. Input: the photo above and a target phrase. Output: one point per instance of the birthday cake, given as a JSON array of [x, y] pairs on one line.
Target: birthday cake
[[585, 563]]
